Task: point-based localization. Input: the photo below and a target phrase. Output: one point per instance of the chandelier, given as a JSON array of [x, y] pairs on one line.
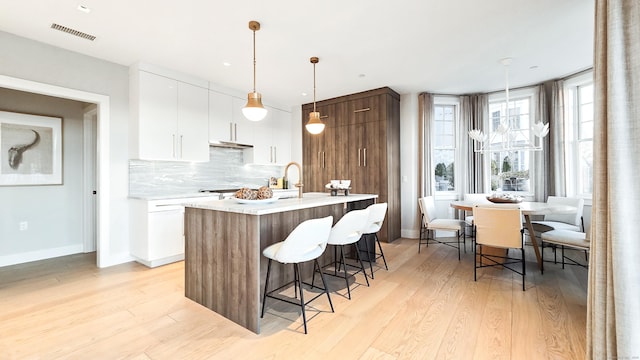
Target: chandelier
[[507, 136]]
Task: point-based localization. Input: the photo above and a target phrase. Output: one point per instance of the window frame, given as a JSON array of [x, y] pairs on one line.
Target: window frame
[[572, 116], [530, 93], [455, 102]]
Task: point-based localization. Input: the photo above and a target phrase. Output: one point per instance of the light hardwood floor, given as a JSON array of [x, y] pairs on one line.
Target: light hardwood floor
[[426, 306]]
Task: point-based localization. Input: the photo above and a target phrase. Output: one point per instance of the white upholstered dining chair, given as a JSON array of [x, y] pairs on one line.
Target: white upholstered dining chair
[[430, 223], [498, 226]]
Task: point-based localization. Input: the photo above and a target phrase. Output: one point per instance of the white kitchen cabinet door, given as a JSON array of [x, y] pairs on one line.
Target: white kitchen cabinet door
[[158, 111], [220, 117], [193, 123], [166, 234], [263, 152], [281, 136], [243, 129]]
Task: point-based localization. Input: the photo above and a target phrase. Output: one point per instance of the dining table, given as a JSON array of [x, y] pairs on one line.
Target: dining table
[[528, 208]]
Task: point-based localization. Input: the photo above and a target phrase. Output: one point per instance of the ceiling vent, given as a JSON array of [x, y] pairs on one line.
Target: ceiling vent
[[73, 32]]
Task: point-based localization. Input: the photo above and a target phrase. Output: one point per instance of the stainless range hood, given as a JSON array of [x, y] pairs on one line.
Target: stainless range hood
[[229, 144]]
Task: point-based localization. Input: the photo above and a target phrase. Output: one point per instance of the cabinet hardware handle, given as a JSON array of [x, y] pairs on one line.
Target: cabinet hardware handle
[[181, 149], [173, 139], [361, 110], [365, 157], [275, 155], [323, 163], [230, 131], [358, 157], [320, 159], [324, 116], [235, 127]]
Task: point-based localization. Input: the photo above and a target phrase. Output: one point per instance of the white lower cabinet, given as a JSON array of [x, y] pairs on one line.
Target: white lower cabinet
[[157, 230]]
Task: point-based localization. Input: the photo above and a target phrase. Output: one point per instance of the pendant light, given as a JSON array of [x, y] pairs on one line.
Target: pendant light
[[254, 110], [314, 126]]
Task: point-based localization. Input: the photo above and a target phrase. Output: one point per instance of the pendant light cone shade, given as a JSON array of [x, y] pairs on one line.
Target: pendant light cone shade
[[254, 110], [314, 125]]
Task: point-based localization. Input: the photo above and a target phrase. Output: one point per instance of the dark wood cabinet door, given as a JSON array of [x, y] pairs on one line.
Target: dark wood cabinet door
[[360, 143]]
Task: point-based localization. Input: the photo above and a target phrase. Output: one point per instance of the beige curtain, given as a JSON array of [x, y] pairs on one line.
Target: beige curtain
[[425, 145], [557, 175], [473, 110], [541, 158], [613, 320]]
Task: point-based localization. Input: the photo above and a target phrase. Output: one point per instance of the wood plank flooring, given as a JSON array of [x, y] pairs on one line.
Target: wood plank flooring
[[426, 306]]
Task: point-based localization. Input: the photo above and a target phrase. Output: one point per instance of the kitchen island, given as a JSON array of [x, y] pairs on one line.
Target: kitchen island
[[224, 267]]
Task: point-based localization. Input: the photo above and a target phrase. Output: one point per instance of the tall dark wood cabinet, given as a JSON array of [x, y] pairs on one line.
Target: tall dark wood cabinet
[[361, 142]]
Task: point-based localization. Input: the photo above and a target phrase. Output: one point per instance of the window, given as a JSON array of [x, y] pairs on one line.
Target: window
[[444, 153], [579, 130], [511, 171]]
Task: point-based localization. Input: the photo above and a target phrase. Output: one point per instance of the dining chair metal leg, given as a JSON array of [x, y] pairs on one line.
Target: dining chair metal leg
[[361, 265], [346, 281], [366, 244]]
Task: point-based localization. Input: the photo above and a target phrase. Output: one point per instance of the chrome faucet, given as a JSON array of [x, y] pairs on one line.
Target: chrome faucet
[[299, 185]]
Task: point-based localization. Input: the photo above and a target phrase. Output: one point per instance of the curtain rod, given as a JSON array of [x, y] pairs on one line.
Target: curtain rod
[[567, 77]]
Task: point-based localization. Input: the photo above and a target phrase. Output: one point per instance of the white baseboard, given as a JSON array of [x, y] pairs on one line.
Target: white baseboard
[[13, 259], [410, 233], [160, 262]]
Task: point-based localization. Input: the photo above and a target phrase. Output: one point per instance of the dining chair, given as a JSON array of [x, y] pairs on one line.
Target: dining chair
[[377, 213], [347, 231], [468, 219], [498, 226], [430, 224], [572, 221], [567, 239], [305, 243]]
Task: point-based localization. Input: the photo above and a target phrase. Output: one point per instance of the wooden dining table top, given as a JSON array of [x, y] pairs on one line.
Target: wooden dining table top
[[527, 207]]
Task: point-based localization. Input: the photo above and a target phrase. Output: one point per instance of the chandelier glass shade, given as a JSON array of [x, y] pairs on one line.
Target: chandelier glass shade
[[508, 136]]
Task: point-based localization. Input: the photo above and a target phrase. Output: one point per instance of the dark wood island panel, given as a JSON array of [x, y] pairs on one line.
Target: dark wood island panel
[[224, 266]]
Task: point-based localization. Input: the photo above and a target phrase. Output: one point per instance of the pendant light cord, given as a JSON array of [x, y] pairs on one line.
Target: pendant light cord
[[254, 61], [314, 87]]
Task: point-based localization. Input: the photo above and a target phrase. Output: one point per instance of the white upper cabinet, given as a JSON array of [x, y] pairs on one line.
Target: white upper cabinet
[[193, 123], [272, 139], [170, 118], [226, 122]]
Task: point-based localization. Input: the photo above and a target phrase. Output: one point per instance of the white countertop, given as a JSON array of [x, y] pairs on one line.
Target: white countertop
[[308, 200]]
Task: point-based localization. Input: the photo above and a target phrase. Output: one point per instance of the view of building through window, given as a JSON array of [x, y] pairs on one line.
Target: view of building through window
[[580, 137], [510, 169], [444, 153]]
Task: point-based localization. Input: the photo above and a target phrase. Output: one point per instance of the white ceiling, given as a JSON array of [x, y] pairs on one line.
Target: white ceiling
[[445, 47]]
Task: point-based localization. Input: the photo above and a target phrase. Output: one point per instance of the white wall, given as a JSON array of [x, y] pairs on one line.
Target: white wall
[[410, 221], [50, 211], [38, 62]]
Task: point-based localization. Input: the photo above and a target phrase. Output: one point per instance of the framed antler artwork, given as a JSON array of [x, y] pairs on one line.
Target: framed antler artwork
[[30, 149]]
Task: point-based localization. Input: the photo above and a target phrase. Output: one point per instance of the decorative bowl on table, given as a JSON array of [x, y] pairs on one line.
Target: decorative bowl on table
[[263, 195], [505, 199]]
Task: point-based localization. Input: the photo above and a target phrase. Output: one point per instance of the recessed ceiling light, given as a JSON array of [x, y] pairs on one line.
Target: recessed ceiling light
[[84, 9], [226, 64], [361, 75], [304, 94], [533, 67]]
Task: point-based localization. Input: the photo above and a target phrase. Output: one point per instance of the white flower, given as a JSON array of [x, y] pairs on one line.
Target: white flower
[[540, 130], [477, 135]]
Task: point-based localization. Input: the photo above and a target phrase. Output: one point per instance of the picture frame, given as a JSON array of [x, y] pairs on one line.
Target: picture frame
[[30, 149]]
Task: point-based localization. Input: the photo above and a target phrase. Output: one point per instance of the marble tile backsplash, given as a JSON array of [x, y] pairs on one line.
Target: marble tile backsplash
[[225, 170]]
